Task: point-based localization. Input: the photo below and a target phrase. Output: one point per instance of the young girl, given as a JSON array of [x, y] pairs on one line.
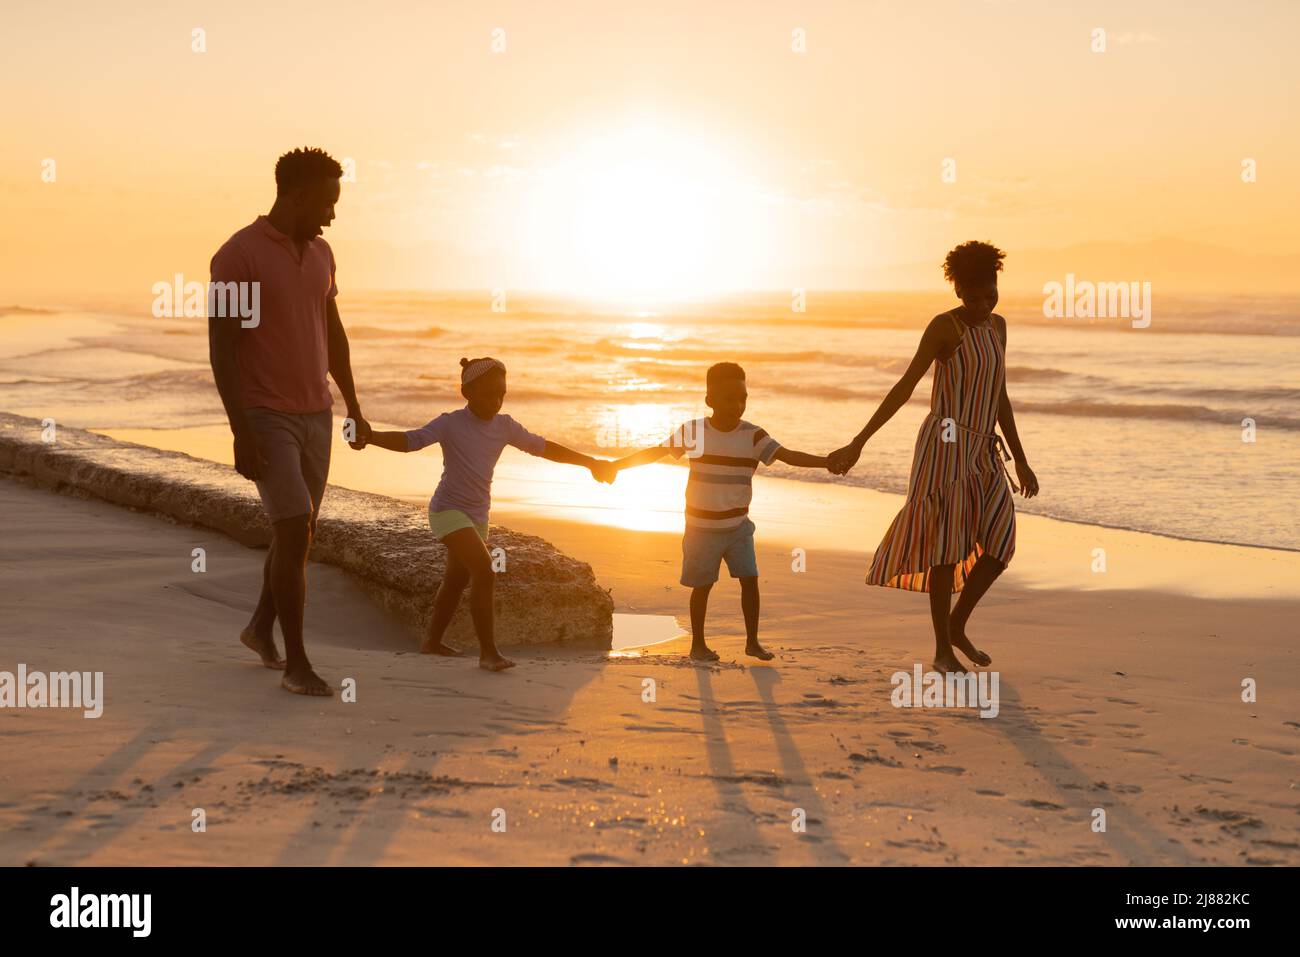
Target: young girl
[[957, 530], [472, 440]]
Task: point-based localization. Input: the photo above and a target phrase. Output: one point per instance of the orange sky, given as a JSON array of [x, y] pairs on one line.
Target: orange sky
[[680, 148]]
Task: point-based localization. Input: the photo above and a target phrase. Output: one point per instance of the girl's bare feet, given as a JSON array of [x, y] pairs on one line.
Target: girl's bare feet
[[305, 681], [438, 648], [264, 648], [703, 652], [957, 638], [755, 650], [495, 662], [946, 663]]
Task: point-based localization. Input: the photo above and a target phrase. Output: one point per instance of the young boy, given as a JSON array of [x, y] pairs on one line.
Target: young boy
[[724, 451]]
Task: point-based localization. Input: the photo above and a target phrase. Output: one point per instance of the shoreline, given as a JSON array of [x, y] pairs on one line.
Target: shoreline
[[1051, 553], [209, 441]]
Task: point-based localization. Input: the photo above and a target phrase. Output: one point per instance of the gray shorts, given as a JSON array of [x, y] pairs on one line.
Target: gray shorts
[[296, 448], [705, 549]]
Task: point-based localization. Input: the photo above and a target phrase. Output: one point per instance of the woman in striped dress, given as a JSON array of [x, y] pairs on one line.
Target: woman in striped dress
[[957, 530]]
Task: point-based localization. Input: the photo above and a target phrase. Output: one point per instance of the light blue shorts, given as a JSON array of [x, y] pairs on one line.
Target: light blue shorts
[[705, 549]]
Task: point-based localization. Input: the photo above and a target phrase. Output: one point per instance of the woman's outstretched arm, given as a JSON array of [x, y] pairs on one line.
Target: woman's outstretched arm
[[938, 338]]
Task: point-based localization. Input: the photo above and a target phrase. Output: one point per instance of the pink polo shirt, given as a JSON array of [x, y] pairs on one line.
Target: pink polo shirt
[[284, 359]]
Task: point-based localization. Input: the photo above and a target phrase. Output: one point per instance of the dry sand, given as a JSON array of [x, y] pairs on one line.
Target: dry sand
[[1123, 697]]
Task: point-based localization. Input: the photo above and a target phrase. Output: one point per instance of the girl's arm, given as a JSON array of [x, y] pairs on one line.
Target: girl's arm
[[1007, 420], [938, 338], [602, 470], [804, 459], [393, 441]]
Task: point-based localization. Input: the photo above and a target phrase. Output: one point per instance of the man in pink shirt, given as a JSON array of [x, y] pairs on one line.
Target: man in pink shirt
[[270, 369]]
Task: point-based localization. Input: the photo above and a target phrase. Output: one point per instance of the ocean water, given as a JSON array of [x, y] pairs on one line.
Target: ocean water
[[1132, 428]]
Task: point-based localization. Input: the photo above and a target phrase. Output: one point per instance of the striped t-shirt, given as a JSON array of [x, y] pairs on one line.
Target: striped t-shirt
[[722, 470]]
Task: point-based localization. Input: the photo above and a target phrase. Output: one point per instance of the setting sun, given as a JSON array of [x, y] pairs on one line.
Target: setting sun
[[646, 212]]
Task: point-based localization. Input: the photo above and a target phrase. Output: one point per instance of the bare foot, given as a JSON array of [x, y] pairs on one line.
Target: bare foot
[[495, 663], [703, 652], [305, 681], [265, 648], [957, 638], [439, 649], [755, 650], [947, 663]]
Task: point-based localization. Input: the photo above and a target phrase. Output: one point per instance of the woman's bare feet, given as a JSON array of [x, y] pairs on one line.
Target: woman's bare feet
[[264, 648], [438, 648], [755, 650], [946, 663], [495, 662], [957, 638], [703, 652], [305, 681]]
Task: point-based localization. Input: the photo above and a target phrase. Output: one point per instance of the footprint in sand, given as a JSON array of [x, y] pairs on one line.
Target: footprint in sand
[[874, 757], [1041, 805], [598, 860]]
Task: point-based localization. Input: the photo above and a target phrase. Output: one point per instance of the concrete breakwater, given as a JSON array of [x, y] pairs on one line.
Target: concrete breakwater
[[542, 595]]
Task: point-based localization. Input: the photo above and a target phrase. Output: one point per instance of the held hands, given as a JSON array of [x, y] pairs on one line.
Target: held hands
[[603, 470], [841, 460], [362, 433]]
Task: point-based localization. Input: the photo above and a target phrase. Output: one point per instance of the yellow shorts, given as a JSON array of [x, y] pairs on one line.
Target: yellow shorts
[[452, 520]]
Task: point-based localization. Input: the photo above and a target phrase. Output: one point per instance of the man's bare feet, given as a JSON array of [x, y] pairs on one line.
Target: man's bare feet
[[439, 648], [305, 681], [703, 652], [946, 663], [755, 650], [264, 647], [957, 638], [495, 663]]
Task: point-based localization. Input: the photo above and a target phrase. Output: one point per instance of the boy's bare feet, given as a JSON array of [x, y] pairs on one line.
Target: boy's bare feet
[[957, 638], [947, 663], [305, 681], [439, 649], [755, 650], [703, 652], [495, 663], [264, 647]]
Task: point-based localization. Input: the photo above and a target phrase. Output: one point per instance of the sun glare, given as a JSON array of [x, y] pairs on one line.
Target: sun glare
[[646, 213]]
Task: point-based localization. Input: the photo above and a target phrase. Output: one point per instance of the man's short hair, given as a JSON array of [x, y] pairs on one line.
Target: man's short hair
[[302, 167], [723, 372]]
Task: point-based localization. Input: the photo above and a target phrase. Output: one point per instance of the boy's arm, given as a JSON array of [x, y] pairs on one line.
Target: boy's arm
[[393, 441], [803, 459], [644, 457]]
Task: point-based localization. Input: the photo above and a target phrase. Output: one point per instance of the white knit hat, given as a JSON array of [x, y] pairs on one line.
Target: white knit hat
[[471, 370]]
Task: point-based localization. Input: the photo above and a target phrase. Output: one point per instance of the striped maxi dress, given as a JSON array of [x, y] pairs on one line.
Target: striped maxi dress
[[958, 503]]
